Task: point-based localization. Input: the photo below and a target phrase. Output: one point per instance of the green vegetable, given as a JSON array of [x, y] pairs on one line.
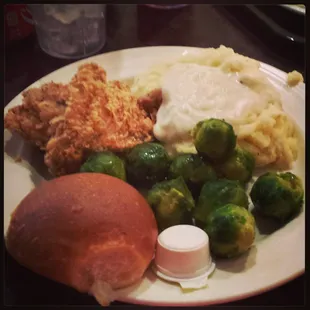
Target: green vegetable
[[147, 163], [278, 195], [214, 138], [172, 203], [192, 169], [215, 194], [238, 166], [107, 163], [231, 230]]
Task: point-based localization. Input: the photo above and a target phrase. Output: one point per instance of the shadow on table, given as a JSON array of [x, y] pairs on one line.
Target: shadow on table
[[290, 53], [162, 27], [24, 287]]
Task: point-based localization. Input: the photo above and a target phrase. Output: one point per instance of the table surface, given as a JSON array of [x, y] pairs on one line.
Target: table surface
[[133, 26]]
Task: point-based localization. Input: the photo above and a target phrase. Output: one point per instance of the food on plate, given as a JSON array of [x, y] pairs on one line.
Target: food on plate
[[172, 203], [215, 194], [193, 169], [151, 103], [214, 139], [219, 83], [187, 134], [107, 163], [278, 195], [101, 116], [98, 115], [90, 231], [40, 109], [238, 166], [147, 163], [231, 230], [87, 75], [294, 78]]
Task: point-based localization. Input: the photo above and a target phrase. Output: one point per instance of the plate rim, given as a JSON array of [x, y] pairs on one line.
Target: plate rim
[[272, 70], [215, 301], [294, 8], [93, 58]]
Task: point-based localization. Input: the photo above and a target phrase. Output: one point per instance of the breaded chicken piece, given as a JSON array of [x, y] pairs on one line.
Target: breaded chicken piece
[[37, 118], [100, 116], [32, 119], [87, 115], [89, 73]]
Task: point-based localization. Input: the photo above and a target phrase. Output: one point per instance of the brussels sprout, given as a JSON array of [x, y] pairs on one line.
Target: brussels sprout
[[214, 138], [171, 202], [192, 168], [238, 166], [278, 195], [215, 194], [147, 163], [231, 230], [107, 163]]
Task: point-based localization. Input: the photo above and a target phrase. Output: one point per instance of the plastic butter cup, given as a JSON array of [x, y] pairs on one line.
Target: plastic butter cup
[[183, 256]]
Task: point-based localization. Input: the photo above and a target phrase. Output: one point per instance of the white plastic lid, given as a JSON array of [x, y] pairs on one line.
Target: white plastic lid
[[183, 254]]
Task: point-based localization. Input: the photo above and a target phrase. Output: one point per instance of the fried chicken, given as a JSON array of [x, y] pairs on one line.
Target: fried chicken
[[32, 119], [98, 115], [151, 102], [89, 73]]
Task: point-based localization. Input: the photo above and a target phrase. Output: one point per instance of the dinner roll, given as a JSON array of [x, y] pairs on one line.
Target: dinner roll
[[88, 230]]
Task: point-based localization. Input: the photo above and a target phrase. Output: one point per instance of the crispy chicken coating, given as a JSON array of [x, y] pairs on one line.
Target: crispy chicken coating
[[88, 115], [98, 117], [32, 119]]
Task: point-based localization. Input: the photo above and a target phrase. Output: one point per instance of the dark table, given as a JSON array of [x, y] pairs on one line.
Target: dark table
[[133, 26]]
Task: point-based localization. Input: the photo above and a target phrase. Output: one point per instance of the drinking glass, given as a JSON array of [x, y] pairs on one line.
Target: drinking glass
[[70, 30]]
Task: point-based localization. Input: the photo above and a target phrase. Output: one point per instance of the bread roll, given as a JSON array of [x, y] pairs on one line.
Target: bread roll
[[84, 230]]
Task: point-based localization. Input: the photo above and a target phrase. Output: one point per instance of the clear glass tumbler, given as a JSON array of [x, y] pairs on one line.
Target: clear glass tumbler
[[70, 30]]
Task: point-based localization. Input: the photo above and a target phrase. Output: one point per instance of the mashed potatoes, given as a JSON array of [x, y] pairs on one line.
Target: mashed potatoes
[[221, 84], [294, 78]]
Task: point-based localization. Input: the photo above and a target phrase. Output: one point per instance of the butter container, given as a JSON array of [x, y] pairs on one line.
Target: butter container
[[183, 256]]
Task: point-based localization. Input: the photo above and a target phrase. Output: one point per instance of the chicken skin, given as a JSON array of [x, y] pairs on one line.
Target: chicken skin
[[88, 115], [33, 119]]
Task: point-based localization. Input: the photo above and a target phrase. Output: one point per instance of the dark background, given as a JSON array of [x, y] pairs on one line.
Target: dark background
[[133, 26]]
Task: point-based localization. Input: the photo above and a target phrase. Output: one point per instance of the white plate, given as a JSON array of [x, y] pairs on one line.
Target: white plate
[[295, 8], [276, 258]]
